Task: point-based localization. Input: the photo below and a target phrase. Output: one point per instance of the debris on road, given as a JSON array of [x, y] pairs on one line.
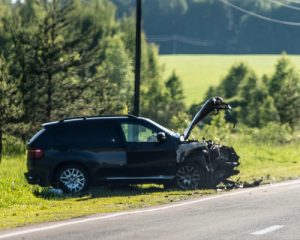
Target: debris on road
[[228, 184]]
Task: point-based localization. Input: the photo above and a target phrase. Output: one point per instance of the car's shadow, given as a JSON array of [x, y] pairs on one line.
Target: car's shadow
[[100, 192]]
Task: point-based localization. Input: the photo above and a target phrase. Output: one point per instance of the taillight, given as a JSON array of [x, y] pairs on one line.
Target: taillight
[[35, 153]]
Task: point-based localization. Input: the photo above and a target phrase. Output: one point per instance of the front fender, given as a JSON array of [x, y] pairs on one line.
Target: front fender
[[194, 152]]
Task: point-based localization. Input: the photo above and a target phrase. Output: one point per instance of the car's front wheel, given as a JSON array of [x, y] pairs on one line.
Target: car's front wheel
[[72, 179], [190, 176]]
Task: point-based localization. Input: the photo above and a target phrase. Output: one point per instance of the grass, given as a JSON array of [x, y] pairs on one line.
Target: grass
[[198, 72], [21, 203], [271, 162]]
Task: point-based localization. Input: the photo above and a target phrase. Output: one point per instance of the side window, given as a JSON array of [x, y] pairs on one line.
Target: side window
[[101, 134], [92, 135], [138, 133]]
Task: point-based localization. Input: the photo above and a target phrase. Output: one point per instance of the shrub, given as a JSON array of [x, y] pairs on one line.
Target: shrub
[[218, 130], [272, 133], [13, 146], [180, 122]]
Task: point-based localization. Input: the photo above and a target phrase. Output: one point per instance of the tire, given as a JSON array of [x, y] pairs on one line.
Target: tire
[[72, 179], [190, 176]]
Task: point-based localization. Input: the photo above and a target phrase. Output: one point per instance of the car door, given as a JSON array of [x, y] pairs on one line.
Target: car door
[[94, 144], [146, 156]]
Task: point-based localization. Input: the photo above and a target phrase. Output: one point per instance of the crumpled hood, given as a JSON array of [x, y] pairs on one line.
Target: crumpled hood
[[212, 104]]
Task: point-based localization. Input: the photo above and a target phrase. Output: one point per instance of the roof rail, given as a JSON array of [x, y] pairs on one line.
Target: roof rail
[[72, 118], [97, 116], [112, 115], [131, 115]]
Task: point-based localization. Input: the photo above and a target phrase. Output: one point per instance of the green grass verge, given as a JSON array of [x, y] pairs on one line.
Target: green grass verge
[[22, 204], [198, 72], [272, 163]]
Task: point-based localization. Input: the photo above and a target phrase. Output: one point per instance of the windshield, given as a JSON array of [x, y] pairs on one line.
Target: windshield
[[164, 129]]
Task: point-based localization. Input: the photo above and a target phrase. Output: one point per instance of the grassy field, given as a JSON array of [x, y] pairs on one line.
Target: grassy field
[[198, 72], [22, 204]]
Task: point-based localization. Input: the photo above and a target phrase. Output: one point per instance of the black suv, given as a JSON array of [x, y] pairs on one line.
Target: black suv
[[78, 152]]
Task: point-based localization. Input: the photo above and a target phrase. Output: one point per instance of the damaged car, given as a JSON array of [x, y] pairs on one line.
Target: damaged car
[[75, 153]]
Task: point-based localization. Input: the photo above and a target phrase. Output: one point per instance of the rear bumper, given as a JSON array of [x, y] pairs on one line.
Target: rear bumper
[[33, 177]]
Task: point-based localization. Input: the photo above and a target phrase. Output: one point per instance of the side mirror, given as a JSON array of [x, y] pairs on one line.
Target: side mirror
[[161, 136]]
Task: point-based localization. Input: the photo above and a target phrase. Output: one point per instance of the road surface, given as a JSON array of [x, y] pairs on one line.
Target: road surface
[[267, 212]]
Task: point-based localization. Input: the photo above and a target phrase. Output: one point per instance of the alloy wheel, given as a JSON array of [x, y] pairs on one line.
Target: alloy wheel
[[188, 177], [73, 179]]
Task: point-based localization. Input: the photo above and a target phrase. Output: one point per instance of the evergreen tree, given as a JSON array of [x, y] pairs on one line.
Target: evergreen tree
[[110, 89], [248, 95], [67, 58], [174, 87], [284, 87], [256, 106], [117, 67], [153, 100], [175, 102], [3, 106], [55, 54], [10, 108], [229, 85]]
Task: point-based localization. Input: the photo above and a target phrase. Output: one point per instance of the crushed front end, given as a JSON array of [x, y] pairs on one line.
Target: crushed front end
[[218, 161], [224, 161]]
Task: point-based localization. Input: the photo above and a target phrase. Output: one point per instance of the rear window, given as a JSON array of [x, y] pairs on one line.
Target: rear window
[[36, 136], [43, 138]]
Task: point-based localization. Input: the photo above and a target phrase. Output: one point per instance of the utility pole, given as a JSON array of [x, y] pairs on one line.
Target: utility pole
[[137, 82]]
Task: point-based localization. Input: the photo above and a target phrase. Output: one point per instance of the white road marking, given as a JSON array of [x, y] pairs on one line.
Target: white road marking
[[114, 215], [267, 230]]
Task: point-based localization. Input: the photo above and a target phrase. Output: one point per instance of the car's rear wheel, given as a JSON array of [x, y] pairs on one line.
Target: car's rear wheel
[[190, 176], [72, 179]]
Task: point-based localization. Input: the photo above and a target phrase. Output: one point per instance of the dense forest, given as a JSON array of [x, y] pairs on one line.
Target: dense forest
[[212, 26], [68, 58], [72, 58]]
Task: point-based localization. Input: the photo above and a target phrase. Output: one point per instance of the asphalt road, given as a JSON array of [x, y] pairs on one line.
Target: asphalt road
[[268, 212]]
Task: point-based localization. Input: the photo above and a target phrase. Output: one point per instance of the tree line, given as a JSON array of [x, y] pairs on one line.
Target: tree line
[[258, 101], [75, 58], [210, 26], [72, 58]]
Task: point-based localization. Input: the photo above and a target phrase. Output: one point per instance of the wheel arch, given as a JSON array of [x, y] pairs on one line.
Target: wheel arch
[[198, 157]]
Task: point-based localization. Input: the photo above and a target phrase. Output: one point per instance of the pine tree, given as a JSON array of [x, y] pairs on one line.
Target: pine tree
[[175, 106], [229, 85], [10, 108], [284, 87], [3, 88], [56, 53], [256, 106]]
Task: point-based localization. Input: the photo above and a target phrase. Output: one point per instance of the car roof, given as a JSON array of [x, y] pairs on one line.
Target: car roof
[[87, 118]]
